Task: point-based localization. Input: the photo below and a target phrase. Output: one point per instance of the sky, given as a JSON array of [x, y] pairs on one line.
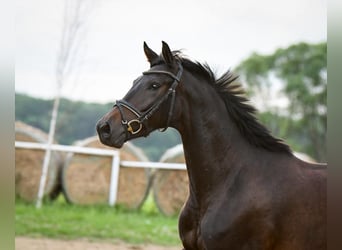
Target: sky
[[111, 35]]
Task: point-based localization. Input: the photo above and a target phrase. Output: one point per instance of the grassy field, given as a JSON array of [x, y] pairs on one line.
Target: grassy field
[[59, 219]]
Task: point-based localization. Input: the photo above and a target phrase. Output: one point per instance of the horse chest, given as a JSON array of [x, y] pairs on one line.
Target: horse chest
[[224, 229]]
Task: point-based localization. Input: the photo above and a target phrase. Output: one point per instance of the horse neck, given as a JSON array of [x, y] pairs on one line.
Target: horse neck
[[213, 146]]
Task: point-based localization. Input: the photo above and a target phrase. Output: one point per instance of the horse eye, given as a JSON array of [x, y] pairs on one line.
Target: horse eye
[[155, 86]]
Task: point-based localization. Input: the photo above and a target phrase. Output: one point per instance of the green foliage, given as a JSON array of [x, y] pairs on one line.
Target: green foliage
[[76, 121], [36, 112], [66, 221], [302, 72]]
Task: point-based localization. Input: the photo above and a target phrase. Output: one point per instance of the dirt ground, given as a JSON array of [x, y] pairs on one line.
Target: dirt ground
[[25, 243]]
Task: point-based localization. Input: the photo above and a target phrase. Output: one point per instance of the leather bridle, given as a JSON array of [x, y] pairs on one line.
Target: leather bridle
[[134, 126]]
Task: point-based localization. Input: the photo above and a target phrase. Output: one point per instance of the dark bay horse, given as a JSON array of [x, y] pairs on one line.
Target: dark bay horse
[[247, 189]]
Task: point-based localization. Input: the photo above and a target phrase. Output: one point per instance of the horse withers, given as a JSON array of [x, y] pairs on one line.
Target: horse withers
[[247, 190]]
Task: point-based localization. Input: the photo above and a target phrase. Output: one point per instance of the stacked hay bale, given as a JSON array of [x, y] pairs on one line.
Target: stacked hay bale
[[171, 187], [28, 165], [86, 178]]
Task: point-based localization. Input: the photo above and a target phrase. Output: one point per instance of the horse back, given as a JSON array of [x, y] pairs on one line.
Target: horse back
[[303, 219]]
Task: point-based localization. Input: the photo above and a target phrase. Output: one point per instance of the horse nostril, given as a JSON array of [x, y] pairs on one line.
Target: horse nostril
[[103, 129]]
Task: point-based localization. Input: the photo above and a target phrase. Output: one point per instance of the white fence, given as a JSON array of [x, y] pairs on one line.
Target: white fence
[[115, 154]]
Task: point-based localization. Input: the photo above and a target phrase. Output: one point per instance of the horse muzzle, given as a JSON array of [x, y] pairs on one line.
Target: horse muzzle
[[110, 136]]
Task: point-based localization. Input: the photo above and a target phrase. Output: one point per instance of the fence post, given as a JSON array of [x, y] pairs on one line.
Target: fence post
[[45, 169], [45, 166], [114, 179]]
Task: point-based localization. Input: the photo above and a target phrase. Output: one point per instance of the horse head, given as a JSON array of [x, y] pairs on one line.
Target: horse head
[[148, 105]]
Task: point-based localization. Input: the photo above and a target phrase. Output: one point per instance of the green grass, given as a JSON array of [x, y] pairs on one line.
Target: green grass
[[62, 220]]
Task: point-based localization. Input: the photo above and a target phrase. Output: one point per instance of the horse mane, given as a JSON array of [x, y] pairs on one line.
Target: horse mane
[[237, 104]]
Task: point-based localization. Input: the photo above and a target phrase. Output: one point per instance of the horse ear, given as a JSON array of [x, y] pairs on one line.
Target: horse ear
[[150, 54], [167, 54]]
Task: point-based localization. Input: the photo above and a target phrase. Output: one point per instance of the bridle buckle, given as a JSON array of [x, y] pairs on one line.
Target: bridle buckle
[[130, 128]]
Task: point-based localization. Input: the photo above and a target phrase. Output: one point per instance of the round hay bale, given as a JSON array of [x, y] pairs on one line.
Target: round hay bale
[[171, 187], [86, 178], [29, 162]]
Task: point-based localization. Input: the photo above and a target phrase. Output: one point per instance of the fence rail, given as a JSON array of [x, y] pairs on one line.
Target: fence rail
[[149, 164], [115, 154]]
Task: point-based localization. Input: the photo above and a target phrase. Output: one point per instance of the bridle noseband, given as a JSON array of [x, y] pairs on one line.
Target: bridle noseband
[[134, 126]]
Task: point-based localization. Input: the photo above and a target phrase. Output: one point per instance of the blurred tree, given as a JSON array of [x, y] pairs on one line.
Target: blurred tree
[[36, 112], [69, 46], [300, 71]]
